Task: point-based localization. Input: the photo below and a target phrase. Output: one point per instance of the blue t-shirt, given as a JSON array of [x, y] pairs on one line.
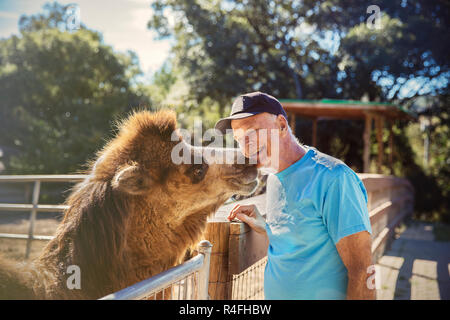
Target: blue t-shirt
[[311, 205]]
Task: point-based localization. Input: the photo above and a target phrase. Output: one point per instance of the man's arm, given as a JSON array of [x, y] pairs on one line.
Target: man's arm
[[356, 253]]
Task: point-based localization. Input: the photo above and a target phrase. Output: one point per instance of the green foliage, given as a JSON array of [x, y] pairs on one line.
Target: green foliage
[[306, 49], [432, 179], [60, 92], [170, 90], [226, 48], [54, 16]]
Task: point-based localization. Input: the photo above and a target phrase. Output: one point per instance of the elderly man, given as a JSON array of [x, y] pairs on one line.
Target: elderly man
[[317, 220]]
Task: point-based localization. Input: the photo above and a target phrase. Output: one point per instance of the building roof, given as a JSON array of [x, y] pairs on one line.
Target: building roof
[[343, 109]]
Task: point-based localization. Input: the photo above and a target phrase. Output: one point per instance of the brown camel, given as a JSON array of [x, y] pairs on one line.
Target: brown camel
[[134, 216]]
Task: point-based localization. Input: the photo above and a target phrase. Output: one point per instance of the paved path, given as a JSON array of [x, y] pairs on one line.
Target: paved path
[[416, 267]]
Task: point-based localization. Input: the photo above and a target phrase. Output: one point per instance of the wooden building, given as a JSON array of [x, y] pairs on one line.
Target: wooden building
[[383, 114]]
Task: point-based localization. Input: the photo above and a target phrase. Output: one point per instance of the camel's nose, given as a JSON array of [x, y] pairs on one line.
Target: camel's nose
[[242, 166], [246, 166], [249, 173], [232, 162]]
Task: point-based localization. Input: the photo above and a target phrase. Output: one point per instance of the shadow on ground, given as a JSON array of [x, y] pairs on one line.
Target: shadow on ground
[[416, 266]]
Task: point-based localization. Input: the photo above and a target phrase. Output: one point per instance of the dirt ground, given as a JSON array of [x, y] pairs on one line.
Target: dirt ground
[[19, 223]]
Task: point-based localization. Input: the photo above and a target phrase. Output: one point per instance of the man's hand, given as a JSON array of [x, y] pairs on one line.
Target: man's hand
[[250, 215]]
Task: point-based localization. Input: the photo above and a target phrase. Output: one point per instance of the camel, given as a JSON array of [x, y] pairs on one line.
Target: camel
[[134, 216]]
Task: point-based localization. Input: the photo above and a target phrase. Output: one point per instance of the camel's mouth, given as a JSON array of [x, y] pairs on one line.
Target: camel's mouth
[[245, 182], [246, 189]]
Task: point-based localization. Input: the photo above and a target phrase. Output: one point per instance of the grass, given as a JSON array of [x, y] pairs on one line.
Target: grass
[[15, 248]]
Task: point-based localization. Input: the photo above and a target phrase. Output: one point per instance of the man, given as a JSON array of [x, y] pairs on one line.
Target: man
[[317, 220]]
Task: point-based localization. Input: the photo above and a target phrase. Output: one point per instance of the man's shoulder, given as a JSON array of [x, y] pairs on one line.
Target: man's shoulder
[[331, 167], [326, 161]]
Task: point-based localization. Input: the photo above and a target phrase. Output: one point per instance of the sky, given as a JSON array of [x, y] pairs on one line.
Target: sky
[[123, 24]]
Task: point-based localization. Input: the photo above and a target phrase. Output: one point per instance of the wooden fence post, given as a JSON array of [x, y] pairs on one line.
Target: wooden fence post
[[379, 127], [218, 233], [367, 132]]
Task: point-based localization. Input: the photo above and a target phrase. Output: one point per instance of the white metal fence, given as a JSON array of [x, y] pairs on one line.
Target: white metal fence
[[187, 281], [34, 207]]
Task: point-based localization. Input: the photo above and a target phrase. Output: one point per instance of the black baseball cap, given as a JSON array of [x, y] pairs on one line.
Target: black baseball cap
[[248, 105]]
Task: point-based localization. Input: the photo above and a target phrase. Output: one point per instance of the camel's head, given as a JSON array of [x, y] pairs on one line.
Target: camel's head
[[148, 159]]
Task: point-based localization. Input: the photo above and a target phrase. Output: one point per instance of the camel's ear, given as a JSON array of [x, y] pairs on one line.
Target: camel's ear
[[132, 179]]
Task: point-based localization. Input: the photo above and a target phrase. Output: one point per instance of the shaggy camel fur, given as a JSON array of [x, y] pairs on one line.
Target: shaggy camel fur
[[134, 216]]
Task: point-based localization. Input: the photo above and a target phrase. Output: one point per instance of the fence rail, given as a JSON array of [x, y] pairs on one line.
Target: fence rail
[[34, 207], [189, 280]]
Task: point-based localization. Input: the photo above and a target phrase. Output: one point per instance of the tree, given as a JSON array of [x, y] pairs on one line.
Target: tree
[[230, 47], [60, 93], [55, 16], [405, 58], [307, 49]]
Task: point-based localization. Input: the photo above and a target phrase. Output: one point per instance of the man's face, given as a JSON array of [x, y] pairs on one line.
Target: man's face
[[254, 137]]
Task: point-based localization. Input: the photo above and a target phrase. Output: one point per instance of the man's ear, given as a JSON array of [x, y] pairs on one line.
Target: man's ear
[[282, 124], [132, 179]]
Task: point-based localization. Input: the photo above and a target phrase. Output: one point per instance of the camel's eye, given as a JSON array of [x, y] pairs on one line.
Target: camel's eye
[[197, 172]]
